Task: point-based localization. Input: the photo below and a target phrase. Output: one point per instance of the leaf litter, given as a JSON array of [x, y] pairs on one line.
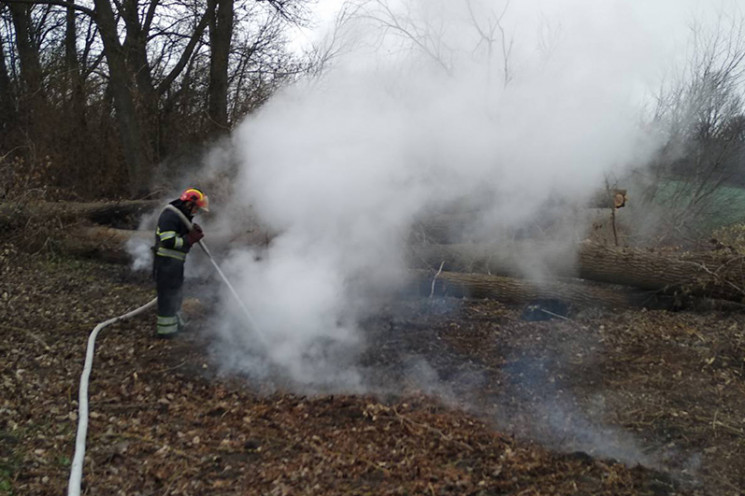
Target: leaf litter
[[606, 402]]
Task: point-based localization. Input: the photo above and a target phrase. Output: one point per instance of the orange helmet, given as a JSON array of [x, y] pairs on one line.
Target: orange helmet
[[197, 197]]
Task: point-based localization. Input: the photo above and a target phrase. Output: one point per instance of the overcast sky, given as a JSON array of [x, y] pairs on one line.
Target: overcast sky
[[664, 24]]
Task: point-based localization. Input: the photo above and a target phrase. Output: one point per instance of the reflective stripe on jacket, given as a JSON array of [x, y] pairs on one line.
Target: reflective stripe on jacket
[[170, 235]]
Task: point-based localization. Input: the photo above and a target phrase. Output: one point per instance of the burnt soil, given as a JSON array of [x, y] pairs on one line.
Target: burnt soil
[[478, 401]]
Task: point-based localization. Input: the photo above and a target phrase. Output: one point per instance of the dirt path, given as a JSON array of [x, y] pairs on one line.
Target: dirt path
[[471, 400]]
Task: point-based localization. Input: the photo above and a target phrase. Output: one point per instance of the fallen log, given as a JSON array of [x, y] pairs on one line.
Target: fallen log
[[102, 243], [513, 259], [110, 244], [710, 274], [601, 225], [578, 293], [118, 214], [511, 290]]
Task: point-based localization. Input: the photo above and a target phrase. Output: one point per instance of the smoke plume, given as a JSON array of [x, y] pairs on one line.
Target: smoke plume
[[427, 109]]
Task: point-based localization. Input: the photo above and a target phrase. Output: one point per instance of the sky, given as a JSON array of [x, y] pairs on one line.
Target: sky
[[417, 119], [666, 22]]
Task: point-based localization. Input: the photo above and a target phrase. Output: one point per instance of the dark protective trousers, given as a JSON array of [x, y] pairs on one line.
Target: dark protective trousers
[[169, 280]]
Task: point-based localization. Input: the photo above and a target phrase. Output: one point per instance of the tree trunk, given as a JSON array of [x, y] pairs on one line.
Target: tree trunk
[[511, 290], [135, 52], [134, 145], [91, 240], [221, 34], [32, 104], [579, 293], [712, 274], [79, 161], [126, 213], [102, 243], [74, 78], [7, 100], [602, 225]]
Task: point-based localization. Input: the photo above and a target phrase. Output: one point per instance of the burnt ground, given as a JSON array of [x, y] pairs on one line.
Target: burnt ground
[[606, 402]]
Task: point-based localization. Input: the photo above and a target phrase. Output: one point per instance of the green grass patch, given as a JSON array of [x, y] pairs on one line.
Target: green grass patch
[[722, 206], [6, 479]]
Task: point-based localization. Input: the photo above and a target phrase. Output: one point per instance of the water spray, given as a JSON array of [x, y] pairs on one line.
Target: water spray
[[250, 319]]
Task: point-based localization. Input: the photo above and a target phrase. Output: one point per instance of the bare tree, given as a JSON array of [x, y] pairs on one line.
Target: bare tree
[[7, 95], [429, 34], [488, 33], [146, 68], [426, 36], [702, 115], [33, 98]]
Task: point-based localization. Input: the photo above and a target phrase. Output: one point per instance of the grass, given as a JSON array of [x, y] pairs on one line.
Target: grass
[[6, 486], [725, 206], [9, 467]]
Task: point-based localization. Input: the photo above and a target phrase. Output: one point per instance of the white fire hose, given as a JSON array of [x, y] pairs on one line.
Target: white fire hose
[[76, 470]]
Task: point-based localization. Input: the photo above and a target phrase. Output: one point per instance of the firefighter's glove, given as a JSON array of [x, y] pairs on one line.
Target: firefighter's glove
[[194, 235]]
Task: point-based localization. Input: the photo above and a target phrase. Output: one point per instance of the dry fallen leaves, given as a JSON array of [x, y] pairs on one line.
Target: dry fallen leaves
[[162, 424]]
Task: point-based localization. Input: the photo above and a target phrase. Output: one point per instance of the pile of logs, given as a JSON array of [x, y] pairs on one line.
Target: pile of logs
[[583, 274]]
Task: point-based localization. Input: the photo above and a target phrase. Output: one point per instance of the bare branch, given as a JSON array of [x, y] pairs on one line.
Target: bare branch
[[59, 3], [186, 55], [150, 15], [419, 39]]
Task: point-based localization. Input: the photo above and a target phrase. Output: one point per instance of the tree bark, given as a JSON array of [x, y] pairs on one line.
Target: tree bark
[[102, 243], [511, 290], [32, 104], [579, 293], [138, 65], [221, 34], [712, 274], [7, 99], [92, 240], [568, 222], [75, 133], [135, 146], [125, 213], [74, 78]]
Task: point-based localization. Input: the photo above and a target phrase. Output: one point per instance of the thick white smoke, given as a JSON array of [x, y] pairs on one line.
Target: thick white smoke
[[411, 120]]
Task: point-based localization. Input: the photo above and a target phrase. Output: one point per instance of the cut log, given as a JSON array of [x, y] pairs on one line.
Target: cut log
[[517, 259], [602, 225], [610, 198], [577, 292], [710, 274], [110, 244], [118, 214], [102, 243], [511, 290]]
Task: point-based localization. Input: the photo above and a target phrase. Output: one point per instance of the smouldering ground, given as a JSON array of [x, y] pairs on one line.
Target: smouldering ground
[[478, 401]]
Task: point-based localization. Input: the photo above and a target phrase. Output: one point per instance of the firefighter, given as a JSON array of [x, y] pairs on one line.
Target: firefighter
[[174, 237]]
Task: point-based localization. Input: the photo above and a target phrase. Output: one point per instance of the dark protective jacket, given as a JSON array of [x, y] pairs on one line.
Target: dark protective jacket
[[170, 235], [171, 247]]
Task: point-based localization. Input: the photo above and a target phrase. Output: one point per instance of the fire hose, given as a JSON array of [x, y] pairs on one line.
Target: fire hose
[[76, 470]]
